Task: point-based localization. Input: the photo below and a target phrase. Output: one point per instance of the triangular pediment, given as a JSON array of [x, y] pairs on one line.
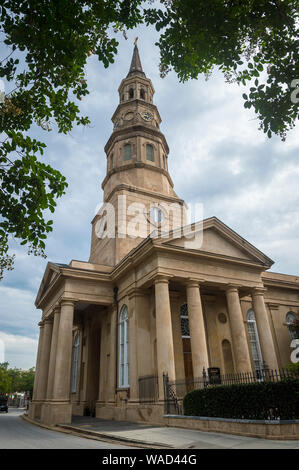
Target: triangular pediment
[[214, 237], [50, 275]]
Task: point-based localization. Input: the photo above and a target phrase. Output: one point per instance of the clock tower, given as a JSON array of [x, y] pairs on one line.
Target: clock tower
[[137, 184]]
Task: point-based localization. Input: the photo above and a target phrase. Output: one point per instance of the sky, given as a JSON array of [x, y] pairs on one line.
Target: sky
[[218, 157]]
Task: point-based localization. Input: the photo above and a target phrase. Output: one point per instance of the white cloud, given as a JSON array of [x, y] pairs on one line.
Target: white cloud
[[18, 314], [19, 351]]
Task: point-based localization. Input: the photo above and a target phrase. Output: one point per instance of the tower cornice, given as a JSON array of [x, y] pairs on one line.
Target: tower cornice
[[137, 164], [136, 130]]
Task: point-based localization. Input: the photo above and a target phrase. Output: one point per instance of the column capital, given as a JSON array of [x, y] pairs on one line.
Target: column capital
[[162, 278], [232, 287], [66, 301], [258, 291], [192, 282], [56, 309], [41, 324], [48, 321]]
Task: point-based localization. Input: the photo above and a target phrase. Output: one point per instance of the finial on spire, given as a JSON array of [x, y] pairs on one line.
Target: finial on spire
[[136, 67]]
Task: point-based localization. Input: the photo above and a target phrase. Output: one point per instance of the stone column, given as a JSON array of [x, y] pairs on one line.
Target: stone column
[[199, 347], [61, 390], [103, 361], [264, 329], [112, 379], [44, 360], [52, 362], [133, 365], [37, 368], [165, 350], [59, 408], [242, 357]]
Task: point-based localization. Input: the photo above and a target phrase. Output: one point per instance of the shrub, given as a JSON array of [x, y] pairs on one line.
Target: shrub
[[264, 400]]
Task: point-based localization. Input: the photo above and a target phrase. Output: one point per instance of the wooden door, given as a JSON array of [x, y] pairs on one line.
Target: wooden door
[[188, 359]]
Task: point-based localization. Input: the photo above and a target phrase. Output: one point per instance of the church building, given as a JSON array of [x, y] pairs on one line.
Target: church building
[[151, 300]]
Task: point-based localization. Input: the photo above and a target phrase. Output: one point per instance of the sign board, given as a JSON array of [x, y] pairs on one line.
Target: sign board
[[214, 375]]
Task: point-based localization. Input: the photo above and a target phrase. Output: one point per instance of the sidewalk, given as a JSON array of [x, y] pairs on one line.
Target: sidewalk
[[168, 437]]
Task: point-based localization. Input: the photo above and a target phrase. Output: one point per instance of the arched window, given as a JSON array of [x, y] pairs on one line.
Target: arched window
[[75, 363], [254, 340], [142, 94], [124, 347], [184, 321], [131, 93], [127, 152], [111, 161], [150, 153], [290, 319], [185, 332]]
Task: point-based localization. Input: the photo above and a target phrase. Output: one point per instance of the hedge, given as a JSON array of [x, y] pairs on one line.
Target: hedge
[[264, 400]]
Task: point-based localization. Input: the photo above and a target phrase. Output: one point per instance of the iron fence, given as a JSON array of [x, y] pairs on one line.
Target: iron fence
[[148, 389], [175, 391]]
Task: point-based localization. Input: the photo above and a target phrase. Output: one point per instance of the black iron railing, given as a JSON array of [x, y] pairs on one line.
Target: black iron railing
[[148, 389], [175, 391]]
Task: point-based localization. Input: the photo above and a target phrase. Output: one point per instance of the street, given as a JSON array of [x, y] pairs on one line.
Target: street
[[15, 433]]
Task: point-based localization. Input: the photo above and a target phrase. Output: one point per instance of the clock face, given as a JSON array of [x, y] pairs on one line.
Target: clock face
[[146, 116]]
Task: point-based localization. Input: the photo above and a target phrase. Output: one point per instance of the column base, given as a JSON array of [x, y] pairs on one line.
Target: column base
[[34, 411], [53, 413], [133, 412]]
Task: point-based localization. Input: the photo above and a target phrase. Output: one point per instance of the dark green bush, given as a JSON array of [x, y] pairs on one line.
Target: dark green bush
[[264, 400]]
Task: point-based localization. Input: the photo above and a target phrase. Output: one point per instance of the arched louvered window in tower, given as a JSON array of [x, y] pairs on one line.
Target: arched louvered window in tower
[[150, 153], [127, 152]]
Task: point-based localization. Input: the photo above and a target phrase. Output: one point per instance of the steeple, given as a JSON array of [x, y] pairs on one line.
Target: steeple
[[137, 163], [136, 67]]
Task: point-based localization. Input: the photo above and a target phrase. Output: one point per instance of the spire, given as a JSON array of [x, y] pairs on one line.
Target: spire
[[136, 67]]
